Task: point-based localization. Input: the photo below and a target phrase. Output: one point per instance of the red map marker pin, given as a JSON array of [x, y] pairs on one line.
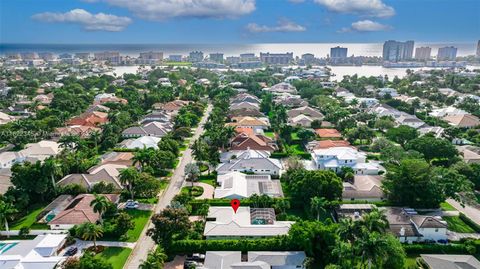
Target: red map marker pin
[[235, 203]]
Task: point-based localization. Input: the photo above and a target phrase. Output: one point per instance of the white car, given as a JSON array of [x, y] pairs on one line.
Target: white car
[[131, 204]]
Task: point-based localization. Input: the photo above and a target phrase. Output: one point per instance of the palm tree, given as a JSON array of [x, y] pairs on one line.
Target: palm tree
[[69, 142], [95, 137], [6, 210], [191, 172], [100, 204], [143, 157], [281, 205], [90, 232], [375, 221], [318, 205], [128, 176], [372, 248], [53, 168], [155, 259]]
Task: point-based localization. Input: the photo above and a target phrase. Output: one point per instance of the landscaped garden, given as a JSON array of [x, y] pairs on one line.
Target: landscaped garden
[[140, 219], [195, 191], [30, 219], [116, 256], [456, 224]]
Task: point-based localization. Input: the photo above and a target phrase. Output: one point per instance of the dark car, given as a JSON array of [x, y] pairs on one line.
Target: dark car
[[190, 264], [196, 257], [71, 251]]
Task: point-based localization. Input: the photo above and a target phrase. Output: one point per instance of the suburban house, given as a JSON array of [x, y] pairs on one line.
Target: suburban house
[[337, 157], [79, 211], [93, 119], [224, 223], [171, 107], [155, 128], [245, 112], [449, 261], [463, 121], [106, 173], [236, 185], [409, 120], [384, 91], [159, 116], [353, 211], [244, 105], [447, 111], [307, 111], [410, 227], [79, 130], [254, 260], [103, 98], [228, 156], [43, 252], [141, 142], [328, 133], [382, 110], [257, 124], [5, 118], [468, 154], [5, 182], [245, 97], [282, 87], [97, 107], [363, 187], [114, 157], [245, 141], [251, 162], [32, 153], [290, 100], [301, 120], [44, 99], [437, 131], [323, 144]]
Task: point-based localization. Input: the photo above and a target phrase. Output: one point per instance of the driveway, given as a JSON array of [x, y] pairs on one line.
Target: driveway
[[208, 190], [470, 211], [145, 243], [82, 245], [177, 263]]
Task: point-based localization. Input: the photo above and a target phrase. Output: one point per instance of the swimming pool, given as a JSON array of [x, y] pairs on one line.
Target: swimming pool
[[6, 246]]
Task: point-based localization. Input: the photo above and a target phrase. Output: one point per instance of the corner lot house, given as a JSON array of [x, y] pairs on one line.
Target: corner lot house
[[223, 223], [39, 253], [254, 260], [79, 211], [235, 185]]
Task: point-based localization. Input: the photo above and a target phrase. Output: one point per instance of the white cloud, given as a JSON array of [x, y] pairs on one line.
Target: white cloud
[[160, 10], [369, 8], [89, 21], [365, 26], [296, 1], [283, 25]]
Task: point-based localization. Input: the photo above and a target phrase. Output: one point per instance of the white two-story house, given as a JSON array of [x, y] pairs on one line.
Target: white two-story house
[[335, 158]]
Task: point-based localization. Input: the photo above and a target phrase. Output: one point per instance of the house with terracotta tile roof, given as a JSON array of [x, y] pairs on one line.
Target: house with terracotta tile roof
[[257, 124], [244, 141], [103, 98], [171, 107], [328, 133], [79, 211], [94, 118], [80, 130], [323, 144], [244, 112], [463, 121]]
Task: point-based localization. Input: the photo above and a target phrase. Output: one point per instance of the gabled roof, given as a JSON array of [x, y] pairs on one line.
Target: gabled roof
[[248, 121], [328, 133], [444, 261], [305, 110], [278, 258], [465, 120], [239, 185]]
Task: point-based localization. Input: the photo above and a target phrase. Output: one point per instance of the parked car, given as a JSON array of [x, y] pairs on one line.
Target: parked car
[[196, 257], [131, 204], [71, 251], [191, 264]]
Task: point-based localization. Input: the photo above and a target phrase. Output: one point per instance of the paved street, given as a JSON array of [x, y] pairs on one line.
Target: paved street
[[145, 243], [469, 211]]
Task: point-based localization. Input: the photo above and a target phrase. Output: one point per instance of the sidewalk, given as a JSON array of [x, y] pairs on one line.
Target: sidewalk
[[471, 212]]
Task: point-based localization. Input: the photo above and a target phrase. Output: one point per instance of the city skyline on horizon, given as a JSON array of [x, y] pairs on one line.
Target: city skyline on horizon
[[237, 21]]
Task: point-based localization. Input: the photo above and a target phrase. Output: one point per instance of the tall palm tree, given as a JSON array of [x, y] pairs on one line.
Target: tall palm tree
[[375, 221], [90, 232], [99, 205], [53, 168], [143, 157], [372, 248], [95, 137], [318, 204], [128, 176], [6, 211]]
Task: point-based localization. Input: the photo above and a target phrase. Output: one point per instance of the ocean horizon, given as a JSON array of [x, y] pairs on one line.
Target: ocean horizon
[[318, 49]]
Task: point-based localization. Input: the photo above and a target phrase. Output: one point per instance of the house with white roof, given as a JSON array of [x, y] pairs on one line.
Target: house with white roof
[[390, 91], [251, 164], [447, 111], [141, 142], [254, 260], [409, 120], [335, 158], [39, 253], [228, 156], [224, 223], [5, 118], [282, 87], [33, 152], [154, 128], [235, 185]]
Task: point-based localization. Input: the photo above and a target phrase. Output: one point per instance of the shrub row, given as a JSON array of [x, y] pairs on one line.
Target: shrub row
[[189, 246], [470, 222], [435, 249], [279, 155]]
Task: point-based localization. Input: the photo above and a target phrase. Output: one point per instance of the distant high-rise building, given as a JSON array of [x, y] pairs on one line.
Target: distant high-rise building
[[447, 54], [394, 51], [276, 58], [232, 60], [112, 57], [216, 57], [248, 57], [338, 53], [478, 49], [196, 56], [82, 55], [423, 53], [308, 58], [175, 57], [151, 55]]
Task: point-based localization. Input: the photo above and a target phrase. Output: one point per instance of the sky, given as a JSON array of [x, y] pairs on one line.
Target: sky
[[237, 21]]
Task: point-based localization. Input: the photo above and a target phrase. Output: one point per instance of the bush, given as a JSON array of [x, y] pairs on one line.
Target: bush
[[278, 155], [24, 231], [417, 249], [470, 222], [189, 246]]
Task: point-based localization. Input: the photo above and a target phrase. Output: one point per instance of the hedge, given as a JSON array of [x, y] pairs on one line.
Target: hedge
[[278, 155], [189, 246], [469, 222], [454, 248]]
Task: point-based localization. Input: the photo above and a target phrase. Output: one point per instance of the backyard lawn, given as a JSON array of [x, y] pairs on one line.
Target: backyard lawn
[[447, 207], [29, 219], [116, 256], [457, 225], [269, 134], [140, 219], [208, 179]]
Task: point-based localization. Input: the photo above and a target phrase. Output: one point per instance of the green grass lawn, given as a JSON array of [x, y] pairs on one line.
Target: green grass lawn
[[196, 191], [295, 136], [269, 134], [151, 201], [208, 179], [297, 149], [447, 207], [457, 225], [140, 219], [116, 256], [29, 219], [411, 262]]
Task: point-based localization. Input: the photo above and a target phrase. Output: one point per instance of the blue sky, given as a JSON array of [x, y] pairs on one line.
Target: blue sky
[[237, 21]]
